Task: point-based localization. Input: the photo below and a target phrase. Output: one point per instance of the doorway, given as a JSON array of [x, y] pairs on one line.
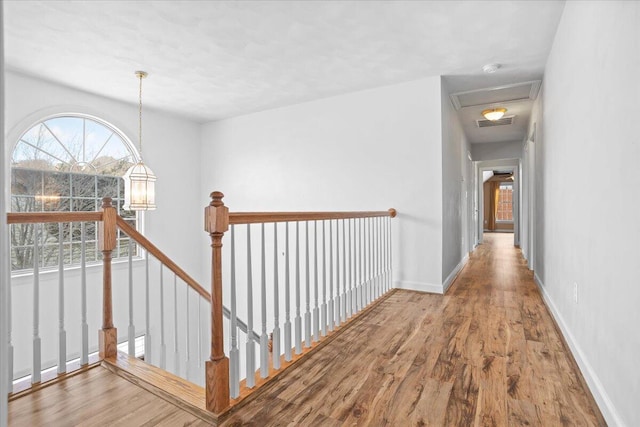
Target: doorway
[[497, 198]]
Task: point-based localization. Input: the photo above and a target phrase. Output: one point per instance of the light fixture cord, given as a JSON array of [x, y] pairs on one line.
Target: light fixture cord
[[140, 117]]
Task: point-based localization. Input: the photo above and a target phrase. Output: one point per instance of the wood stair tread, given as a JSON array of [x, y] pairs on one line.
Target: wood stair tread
[[178, 391]]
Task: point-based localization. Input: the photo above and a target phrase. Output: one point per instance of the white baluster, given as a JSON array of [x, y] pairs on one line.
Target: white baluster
[[307, 312], [316, 311], [62, 334], [343, 312], [287, 300], [9, 333], [176, 351], [37, 363], [298, 320], [200, 355], [187, 364], [376, 291], [250, 347], [132, 329], [163, 346], [365, 262], [380, 259], [369, 257], [234, 353], [389, 243], [331, 315], [359, 298], [323, 310], [336, 315], [351, 305], [264, 337], [147, 314], [370, 235], [275, 345]]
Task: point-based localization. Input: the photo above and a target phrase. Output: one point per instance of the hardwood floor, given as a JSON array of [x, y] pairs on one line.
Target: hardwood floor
[[96, 397], [486, 354]]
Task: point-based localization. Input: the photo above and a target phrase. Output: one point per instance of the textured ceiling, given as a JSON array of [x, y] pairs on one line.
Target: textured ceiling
[[209, 60]]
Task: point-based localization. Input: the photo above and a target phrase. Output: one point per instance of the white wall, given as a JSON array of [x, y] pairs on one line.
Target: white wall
[[4, 253], [496, 150], [591, 229], [456, 187], [373, 149], [171, 149]]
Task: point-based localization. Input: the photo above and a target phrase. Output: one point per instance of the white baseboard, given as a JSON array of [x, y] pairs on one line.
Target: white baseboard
[[452, 276], [430, 287], [419, 286], [605, 404]]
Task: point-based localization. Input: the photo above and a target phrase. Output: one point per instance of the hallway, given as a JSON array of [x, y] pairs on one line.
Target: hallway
[[487, 353]]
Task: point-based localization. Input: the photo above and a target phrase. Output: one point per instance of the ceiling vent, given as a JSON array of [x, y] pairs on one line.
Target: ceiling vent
[[496, 95], [484, 123]]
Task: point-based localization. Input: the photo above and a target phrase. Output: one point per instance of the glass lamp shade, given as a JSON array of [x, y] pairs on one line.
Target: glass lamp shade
[[494, 114], [139, 188]]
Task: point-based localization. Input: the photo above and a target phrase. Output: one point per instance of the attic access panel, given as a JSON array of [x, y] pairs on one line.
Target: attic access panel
[[496, 95]]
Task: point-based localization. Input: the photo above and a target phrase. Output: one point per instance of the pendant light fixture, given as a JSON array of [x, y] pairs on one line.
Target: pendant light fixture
[[139, 181], [494, 114]]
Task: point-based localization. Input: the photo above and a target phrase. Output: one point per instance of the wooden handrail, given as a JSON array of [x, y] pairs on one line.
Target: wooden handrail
[[48, 217], [268, 217], [160, 256]]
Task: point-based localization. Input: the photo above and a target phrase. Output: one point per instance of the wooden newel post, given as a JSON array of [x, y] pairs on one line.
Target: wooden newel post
[[107, 336], [216, 222]]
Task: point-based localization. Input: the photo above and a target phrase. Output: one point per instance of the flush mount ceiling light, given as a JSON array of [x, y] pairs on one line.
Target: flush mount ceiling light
[[139, 181], [494, 114], [491, 68]]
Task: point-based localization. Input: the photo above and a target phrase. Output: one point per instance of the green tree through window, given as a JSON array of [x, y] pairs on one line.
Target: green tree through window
[[66, 163]]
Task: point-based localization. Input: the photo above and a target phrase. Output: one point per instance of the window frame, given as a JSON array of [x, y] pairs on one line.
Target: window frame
[[16, 137], [506, 221]]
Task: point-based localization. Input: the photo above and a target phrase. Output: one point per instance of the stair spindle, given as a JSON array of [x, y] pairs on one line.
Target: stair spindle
[[37, 354], [343, 305], [176, 351], [62, 334], [250, 347], [234, 353], [264, 337], [147, 314], [298, 320], [316, 310], [163, 345], [287, 299], [307, 312], [275, 348], [331, 314], [131, 347]]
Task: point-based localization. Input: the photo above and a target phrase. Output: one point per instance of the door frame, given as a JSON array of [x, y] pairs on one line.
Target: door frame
[[512, 165]]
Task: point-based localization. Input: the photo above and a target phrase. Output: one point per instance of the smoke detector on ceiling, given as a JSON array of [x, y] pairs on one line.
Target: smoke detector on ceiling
[[491, 68]]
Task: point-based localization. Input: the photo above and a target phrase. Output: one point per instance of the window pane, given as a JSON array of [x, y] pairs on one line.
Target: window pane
[[83, 185], [505, 207]]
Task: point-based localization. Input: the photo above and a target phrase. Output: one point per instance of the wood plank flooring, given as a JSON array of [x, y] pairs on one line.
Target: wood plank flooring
[[486, 354], [96, 397]]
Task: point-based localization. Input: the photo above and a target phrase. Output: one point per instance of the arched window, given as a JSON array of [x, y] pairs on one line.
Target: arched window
[[67, 163]]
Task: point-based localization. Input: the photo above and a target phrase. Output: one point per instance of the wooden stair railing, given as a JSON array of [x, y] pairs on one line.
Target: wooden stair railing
[[367, 278], [108, 222], [145, 243], [364, 286]]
